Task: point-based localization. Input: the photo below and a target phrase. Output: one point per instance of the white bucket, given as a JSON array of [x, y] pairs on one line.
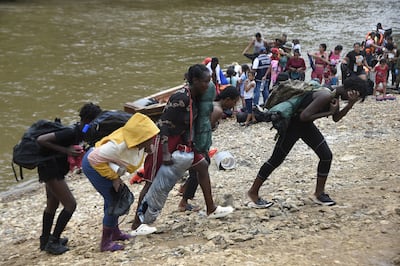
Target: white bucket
[[224, 160]]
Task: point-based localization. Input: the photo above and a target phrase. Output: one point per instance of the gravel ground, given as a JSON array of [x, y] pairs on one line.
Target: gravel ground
[[362, 229]]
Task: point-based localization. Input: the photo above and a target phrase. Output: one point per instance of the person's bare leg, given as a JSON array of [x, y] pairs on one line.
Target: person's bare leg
[[320, 187], [254, 189], [384, 84], [205, 184]]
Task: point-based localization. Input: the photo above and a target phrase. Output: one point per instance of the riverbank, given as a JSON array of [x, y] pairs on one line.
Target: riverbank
[[362, 229]]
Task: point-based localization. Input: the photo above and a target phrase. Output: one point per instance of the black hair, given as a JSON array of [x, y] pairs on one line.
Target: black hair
[[339, 48], [296, 51], [390, 46], [356, 43], [214, 60], [196, 71], [382, 61], [283, 76], [258, 35], [357, 84], [229, 92], [323, 45], [89, 111], [231, 71], [245, 67]]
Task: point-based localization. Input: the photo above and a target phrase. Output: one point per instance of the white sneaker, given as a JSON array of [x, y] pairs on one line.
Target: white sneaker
[[143, 230], [220, 212]]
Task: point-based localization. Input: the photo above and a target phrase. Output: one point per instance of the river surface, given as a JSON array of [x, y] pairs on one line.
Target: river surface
[[57, 55]]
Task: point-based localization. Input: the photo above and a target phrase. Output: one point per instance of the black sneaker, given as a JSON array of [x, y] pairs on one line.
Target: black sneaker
[[43, 241], [54, 246], [323, 199], [260, 204]]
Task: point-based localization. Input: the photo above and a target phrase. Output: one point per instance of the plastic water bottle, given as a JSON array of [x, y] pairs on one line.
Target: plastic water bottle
[[262, 85], [118, 169]]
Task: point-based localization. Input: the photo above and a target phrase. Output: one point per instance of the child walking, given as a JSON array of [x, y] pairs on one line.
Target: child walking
[[381, 70], [249, 86]]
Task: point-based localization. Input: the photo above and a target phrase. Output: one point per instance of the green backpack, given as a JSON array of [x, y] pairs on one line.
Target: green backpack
[[284, 101]]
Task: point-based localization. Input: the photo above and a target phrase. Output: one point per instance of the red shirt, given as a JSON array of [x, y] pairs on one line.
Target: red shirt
[[381, 72], [296, 63]]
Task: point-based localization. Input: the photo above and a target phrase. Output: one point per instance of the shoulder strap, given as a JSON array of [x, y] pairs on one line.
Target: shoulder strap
[[15, 172], [190, 117]]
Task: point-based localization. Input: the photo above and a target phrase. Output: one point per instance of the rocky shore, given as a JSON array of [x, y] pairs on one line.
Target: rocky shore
[[362, 229]]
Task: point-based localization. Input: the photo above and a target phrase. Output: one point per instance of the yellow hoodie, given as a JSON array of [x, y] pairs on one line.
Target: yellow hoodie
[[120, 147]]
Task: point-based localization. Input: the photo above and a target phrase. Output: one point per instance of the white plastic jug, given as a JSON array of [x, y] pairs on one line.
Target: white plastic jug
[[224, 160]]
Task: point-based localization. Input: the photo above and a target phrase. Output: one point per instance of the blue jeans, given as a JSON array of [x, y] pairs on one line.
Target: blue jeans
[[103, 186], [265, 92], [257, 91], [256, 96]]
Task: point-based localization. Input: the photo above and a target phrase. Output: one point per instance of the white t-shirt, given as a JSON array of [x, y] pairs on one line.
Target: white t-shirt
[[217, 69], [297, 46], [250, 94]]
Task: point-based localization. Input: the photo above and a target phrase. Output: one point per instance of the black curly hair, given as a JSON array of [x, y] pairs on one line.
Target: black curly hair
[[357, 84], [89, 111], [229, 92], [198, 71]]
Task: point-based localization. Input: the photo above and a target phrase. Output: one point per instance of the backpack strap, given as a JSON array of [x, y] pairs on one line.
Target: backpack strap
[[15, 173]]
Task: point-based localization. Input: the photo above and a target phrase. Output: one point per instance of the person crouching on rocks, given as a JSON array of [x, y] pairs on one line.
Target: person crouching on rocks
[[317, 104], [127, 148], [53, 172]]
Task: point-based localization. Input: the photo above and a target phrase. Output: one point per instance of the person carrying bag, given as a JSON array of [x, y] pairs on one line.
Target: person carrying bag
[[122, 151]]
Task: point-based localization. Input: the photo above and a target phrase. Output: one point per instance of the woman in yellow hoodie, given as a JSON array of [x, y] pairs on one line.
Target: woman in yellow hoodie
[[126, 147]]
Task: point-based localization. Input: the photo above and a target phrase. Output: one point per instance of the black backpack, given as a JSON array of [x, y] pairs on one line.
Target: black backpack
[[28, 153], [104, 124]]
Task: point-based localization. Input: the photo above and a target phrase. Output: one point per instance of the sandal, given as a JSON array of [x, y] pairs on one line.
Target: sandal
[[260, 204], [189, 207]]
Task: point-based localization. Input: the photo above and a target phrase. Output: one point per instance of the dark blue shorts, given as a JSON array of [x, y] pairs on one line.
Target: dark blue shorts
[[249, 106]]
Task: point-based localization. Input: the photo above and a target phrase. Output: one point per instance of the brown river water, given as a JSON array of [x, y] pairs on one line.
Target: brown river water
[[57, 55]]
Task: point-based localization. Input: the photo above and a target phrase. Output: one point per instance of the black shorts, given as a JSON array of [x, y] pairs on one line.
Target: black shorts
[[56, 168]]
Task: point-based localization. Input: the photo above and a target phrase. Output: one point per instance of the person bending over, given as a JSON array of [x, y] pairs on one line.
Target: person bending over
[[127, 148], [53, 172], [317, 104], [176, 131], [209, 114]]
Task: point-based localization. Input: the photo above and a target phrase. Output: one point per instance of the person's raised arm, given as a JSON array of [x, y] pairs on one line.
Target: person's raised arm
[[353, 98], [251, 43]]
